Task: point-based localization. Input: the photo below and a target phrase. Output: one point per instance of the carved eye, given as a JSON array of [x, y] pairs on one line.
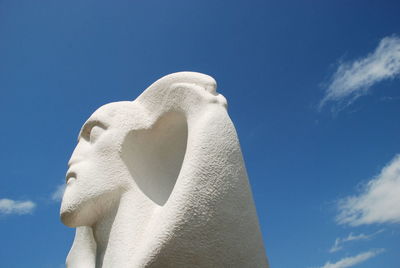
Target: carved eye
[[95, 133], [92, 131]]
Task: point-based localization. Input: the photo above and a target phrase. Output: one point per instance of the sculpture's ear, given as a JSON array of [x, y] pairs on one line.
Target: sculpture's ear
[[155, 156]]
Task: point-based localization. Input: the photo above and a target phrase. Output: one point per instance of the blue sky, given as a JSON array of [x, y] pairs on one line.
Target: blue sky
[[312, 88]]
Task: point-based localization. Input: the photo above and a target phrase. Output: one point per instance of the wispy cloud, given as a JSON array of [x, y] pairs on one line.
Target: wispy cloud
[[354, 260], [58, 193], [338, 245], [8, 206], [378, 202], [354, 79]]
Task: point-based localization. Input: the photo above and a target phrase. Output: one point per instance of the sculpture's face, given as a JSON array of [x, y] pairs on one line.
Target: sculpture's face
[[96, 178]]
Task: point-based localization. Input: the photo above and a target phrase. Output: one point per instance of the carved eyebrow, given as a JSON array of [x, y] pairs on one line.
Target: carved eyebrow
[[87, 127]]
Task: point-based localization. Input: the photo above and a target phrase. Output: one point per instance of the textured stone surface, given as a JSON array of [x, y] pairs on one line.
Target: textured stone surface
[[160, 182]]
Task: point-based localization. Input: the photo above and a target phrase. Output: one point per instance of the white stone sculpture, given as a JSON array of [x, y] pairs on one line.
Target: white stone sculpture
[[160, 182]]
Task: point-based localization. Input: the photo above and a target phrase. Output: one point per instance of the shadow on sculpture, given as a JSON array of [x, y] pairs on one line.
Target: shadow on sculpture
[[160, 182], [154, 156]]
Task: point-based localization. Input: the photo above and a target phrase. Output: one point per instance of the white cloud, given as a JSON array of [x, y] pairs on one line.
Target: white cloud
[[378, 202], [353, 79], [338, 245], [354, 260], [8, 206], [58, 193]]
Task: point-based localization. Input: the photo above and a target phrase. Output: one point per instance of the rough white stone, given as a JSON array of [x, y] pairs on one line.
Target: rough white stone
[[160, 182]]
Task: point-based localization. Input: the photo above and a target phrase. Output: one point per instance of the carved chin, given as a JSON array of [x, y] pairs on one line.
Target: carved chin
[[68, 218], [70, 208], [74, 216], [71, 212], [80, 208]]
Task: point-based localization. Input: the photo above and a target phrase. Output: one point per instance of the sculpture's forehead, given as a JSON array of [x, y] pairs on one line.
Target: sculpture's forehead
[[124, 114], [112, 111]]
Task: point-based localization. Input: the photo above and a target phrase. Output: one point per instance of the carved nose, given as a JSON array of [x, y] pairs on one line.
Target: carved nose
[[76, 155], [73, 161]]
